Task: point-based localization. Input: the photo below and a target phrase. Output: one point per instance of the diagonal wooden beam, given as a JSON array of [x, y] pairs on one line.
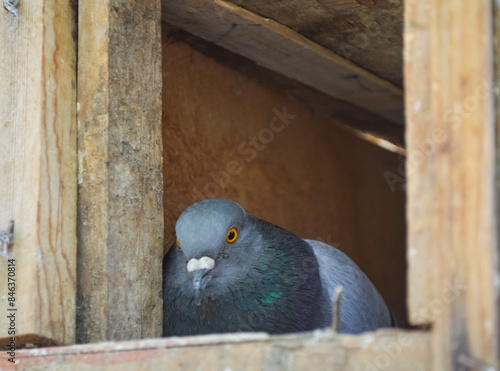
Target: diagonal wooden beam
[[283, 50]]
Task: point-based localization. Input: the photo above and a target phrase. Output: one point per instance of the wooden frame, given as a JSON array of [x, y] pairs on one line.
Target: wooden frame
[[120, 189], [38, 171], [400, 351], [451, 164], [452, 159]]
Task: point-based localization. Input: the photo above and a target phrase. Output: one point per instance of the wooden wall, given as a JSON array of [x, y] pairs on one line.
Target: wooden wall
[[306, 174]]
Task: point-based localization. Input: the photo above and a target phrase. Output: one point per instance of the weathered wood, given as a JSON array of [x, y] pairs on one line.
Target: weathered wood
[[120, 215], [462, 107], [496, 57], [457, 169], [383, 350], [424, 226], [342, 113], [366, 32], [38, 170], [281, 49]]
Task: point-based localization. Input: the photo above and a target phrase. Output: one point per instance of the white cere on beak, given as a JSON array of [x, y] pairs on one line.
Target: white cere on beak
[[203, 263]]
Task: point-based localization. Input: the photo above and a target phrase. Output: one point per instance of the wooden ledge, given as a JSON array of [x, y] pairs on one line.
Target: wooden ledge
[[390, 349]]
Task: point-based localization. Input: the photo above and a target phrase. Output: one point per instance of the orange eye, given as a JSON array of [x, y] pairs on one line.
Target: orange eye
[[231, 235], [177, 243]]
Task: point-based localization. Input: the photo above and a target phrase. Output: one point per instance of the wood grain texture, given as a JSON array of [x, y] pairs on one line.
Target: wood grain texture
[[383, 350], [457, 172], [347, 115], [38, 170], [309, 176], [465, 251], [281, 49], [496, 56], [420, 142], [366, 32], [120, 216]]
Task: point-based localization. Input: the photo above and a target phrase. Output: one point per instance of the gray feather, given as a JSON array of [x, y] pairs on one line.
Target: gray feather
[[362, 308]]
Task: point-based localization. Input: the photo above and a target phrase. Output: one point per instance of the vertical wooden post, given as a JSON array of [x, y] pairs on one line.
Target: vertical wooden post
[[423, 226], [465, 253], [38, 171], [496, 56], [120, 215], [451, 160]]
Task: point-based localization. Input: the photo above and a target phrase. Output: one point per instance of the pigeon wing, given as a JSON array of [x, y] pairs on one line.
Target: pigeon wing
[[362, 307]]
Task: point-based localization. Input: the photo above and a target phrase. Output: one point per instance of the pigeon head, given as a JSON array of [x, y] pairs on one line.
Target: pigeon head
[[215, 237]]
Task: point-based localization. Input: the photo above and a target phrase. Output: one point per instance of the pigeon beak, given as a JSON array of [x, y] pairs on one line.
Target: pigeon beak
[[199, 270], [200, 279]]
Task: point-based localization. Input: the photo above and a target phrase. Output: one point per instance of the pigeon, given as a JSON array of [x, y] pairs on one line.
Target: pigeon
[[229, 271]]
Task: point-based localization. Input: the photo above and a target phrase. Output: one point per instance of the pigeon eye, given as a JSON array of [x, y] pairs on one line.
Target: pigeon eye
[[231, 235], [177, 243]]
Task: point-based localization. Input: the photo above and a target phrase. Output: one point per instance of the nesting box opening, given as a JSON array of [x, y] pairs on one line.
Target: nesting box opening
[[233, 130], [315, 146]]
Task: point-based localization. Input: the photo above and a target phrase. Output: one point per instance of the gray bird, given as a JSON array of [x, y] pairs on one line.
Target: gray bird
[[232, 272]]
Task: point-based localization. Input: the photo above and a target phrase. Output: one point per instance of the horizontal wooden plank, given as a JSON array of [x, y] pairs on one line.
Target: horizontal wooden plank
[[382, 350], [283, 50], [366, 32], [38, 172]]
